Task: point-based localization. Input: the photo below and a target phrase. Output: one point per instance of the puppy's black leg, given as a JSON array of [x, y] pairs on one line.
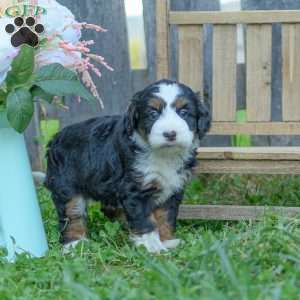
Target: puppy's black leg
[[138, 215], [166, 219], [115, 214], [72, 218], [140, 220]]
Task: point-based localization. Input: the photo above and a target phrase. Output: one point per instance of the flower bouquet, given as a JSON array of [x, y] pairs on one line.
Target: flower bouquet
[[49, 70], [42, 58]]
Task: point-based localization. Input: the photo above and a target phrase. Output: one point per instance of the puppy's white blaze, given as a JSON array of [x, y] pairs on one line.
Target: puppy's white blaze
[[150, 241], [168, 92]]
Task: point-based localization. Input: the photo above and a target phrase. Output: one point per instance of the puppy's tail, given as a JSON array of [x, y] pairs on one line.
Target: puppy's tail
[[39, 178]]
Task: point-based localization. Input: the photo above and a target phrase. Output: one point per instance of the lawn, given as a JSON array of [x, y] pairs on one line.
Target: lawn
[[218, 260]]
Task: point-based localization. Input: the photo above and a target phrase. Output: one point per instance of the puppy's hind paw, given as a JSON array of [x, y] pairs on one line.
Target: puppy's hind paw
[[150, 241], [69, 247], [171, 244]]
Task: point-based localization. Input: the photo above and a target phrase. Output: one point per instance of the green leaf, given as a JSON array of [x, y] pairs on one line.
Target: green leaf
[[54, 72], [56, 80], [65, 88], [22, 67], [19, 109], [36, 91]]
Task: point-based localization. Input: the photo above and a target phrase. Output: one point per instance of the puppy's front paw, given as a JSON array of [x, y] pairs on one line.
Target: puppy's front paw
[[171, 244], [150, 241]]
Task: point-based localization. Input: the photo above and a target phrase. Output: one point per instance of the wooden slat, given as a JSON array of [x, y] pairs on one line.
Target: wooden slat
[[291, 72], [240, 17], [257, 128], [162, 39], [248, 167], [232, 212], [249, 153], [224, 72], [259, 62], [190, 60]]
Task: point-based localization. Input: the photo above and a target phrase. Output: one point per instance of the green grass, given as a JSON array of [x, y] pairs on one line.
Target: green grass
[[48, 129], [218, 260], [241, 140], [245, 190]]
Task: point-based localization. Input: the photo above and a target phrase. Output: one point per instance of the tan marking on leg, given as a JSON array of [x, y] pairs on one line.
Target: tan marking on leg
[[166, 231], [76, 220]]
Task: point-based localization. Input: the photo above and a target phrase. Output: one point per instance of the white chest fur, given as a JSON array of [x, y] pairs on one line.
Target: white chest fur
[[166, 168]]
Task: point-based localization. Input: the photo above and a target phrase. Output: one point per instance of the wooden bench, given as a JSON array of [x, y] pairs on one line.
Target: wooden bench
[[254, 160]]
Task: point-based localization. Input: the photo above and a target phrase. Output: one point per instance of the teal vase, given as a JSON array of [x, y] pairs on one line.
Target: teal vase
[[21, 226]]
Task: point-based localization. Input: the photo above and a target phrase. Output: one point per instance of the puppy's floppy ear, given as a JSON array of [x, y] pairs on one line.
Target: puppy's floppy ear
[[132, 115], [204, 117]]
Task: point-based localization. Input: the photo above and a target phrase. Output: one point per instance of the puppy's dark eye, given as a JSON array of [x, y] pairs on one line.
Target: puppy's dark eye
[[154, 114], [183, 112]]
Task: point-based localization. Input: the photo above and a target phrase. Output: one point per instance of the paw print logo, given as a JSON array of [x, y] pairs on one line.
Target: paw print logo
[[24, 31]]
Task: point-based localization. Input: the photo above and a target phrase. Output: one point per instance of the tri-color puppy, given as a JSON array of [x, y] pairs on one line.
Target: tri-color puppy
[[136, 164]]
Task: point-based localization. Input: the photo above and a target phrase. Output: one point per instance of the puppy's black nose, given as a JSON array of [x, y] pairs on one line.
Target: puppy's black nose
[[170, 135]]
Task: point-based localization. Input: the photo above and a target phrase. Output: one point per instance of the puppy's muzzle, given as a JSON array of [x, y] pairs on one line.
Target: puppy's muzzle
[[170, 135]]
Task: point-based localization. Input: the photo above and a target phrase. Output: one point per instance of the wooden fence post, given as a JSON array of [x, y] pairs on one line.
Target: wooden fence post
[[162, 39], [150, 37], [195, 5]]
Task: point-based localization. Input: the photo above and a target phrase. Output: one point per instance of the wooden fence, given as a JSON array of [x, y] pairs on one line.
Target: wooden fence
[[251, 160]]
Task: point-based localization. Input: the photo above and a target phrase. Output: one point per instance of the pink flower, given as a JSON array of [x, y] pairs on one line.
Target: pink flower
[[57, 55]]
